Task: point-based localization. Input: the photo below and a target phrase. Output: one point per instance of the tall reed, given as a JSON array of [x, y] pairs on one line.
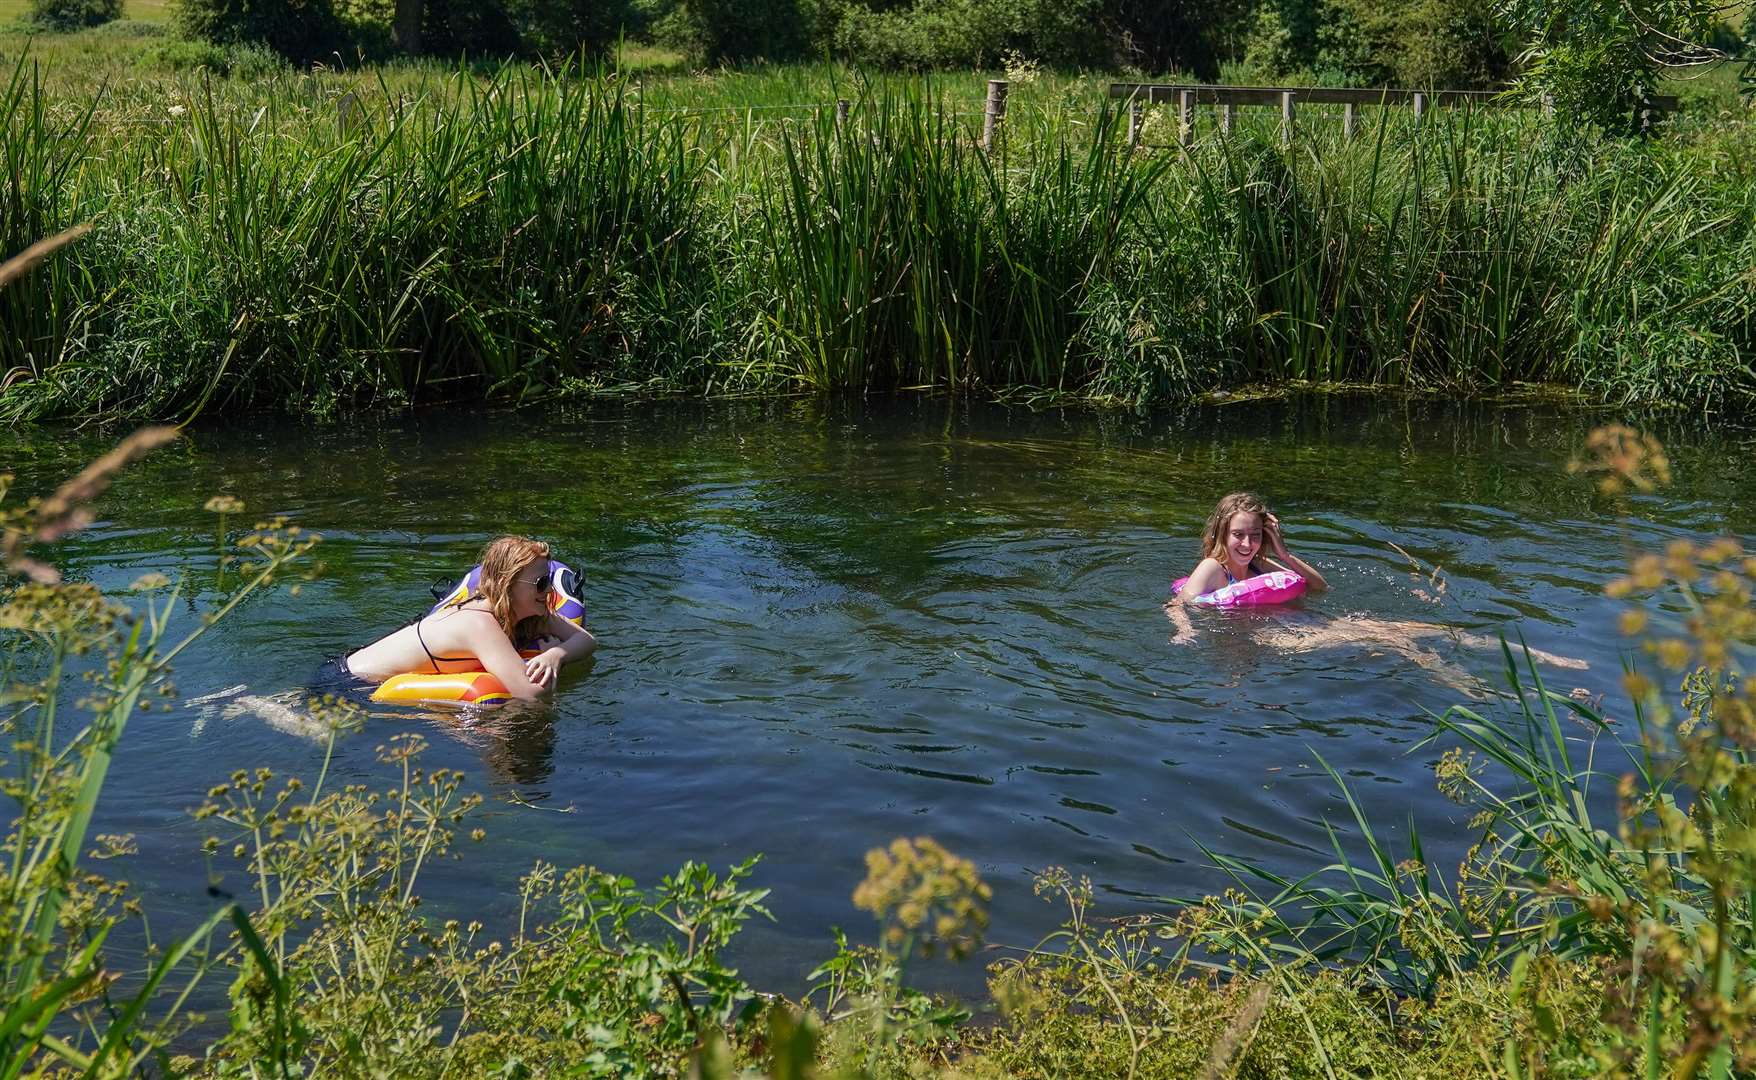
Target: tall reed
[[508, 236]]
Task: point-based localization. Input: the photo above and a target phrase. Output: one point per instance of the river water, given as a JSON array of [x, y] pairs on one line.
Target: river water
[[824, 626]]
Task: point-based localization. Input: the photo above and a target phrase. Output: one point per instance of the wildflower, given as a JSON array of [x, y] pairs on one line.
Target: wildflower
[[925, 893], [1673, 653], [1620, 458]]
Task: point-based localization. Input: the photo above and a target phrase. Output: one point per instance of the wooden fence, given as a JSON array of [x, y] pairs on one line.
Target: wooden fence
[[1288, 98]]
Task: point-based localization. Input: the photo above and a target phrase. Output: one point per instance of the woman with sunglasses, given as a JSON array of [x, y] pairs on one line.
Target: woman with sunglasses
[[482, 629]]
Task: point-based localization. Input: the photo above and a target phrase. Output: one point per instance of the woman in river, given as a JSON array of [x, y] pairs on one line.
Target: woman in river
[[481, 630], [1238, 531], [1232, 546]]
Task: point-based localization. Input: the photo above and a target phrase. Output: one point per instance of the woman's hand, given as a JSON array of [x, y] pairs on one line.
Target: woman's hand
[[1276, 544], [543, 668]]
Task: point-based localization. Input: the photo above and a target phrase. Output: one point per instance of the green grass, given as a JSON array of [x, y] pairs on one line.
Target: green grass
[[511, 234], [157, 11]]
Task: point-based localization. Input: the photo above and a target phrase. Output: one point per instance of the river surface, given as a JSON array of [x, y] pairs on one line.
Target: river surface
[[824, 626]]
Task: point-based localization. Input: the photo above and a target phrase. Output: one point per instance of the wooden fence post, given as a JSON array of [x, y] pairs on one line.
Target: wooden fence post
[[1136, 119], [1420, 106], [994, 113], [1228, 114], [841, 113], [1186, 118], [350, 115], [1350, 119], [1286, 117]]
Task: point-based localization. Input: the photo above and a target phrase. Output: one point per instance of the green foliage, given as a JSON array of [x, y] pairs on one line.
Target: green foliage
[[932, 34], [241, 61], [721, 232], [300, 30], [1446, 44], [1420, 44], [734, 31], [560, 28], [1597, 60], [73, 14], [58, 1008]]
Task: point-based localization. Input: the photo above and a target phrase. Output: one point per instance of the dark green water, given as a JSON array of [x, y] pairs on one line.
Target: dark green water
[[827, 626]]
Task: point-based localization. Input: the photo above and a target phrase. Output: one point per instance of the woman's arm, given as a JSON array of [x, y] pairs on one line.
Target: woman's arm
[[484, 640], [1288, 560], [1206, 577], [1180, 619], [574, 643]]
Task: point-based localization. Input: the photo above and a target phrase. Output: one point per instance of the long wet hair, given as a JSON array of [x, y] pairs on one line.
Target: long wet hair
[[1213, 544], [501, 560]]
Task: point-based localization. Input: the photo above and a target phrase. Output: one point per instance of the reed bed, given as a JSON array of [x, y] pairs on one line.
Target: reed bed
[[329, 242]]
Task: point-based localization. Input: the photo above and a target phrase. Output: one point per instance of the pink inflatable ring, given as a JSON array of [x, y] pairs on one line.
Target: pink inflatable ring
[[1275, 587]]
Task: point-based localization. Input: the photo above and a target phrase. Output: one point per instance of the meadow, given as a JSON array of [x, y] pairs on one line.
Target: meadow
[[377, 237]]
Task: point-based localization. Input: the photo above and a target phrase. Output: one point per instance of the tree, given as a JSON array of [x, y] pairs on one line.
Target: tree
[[73, 14], [1598, 59], [300, 30], [405, 26]]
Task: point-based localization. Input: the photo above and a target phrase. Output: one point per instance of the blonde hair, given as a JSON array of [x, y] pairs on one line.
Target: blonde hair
[[502, 559], [1213, 544]]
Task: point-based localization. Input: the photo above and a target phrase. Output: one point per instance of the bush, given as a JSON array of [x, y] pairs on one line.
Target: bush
[[557, 28], [73, 14], [300, 30], [131, 28], [974, 33], [726, 31], [1445, 44], [240, 61]]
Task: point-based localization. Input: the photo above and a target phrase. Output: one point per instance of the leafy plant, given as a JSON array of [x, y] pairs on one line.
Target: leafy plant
[[73, 14]]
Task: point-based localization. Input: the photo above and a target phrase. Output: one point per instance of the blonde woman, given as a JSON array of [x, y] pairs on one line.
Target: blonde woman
[[1240, 529], [482, 628]]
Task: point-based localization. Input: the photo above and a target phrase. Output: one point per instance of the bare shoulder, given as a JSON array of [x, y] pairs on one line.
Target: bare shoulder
[[1203, 578]]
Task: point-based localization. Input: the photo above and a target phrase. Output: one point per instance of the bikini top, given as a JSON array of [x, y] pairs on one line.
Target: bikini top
[[1255, 571], [437, 660]]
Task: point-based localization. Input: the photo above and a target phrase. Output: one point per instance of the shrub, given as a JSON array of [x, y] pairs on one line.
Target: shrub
[[560, 27], [73, 14], [300, 30], [240, 61], [722, 31], [1449, 44], [973, 33], [131, 28]]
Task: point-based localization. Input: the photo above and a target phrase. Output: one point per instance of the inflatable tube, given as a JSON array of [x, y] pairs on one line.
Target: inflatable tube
[[462, 687], [1275, 587], [563, 592], [478, 687]]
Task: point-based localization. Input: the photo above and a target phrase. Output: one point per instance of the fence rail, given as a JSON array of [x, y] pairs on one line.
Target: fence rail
[[1187, 96]]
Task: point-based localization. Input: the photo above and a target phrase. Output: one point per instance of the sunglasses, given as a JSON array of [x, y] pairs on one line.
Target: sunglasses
[[542, 584]]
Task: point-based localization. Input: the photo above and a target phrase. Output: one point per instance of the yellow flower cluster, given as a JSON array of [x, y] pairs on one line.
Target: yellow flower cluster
[[922, 892], [1621, 458], [1717, 582]]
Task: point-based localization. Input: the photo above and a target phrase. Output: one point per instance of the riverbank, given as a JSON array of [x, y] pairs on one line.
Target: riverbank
[[320, 243]]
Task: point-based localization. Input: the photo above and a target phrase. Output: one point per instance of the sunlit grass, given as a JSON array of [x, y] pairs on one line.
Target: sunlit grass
[[144, 10], [512, 233]]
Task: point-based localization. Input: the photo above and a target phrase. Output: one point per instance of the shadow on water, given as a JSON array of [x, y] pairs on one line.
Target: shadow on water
[[825, 625]]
